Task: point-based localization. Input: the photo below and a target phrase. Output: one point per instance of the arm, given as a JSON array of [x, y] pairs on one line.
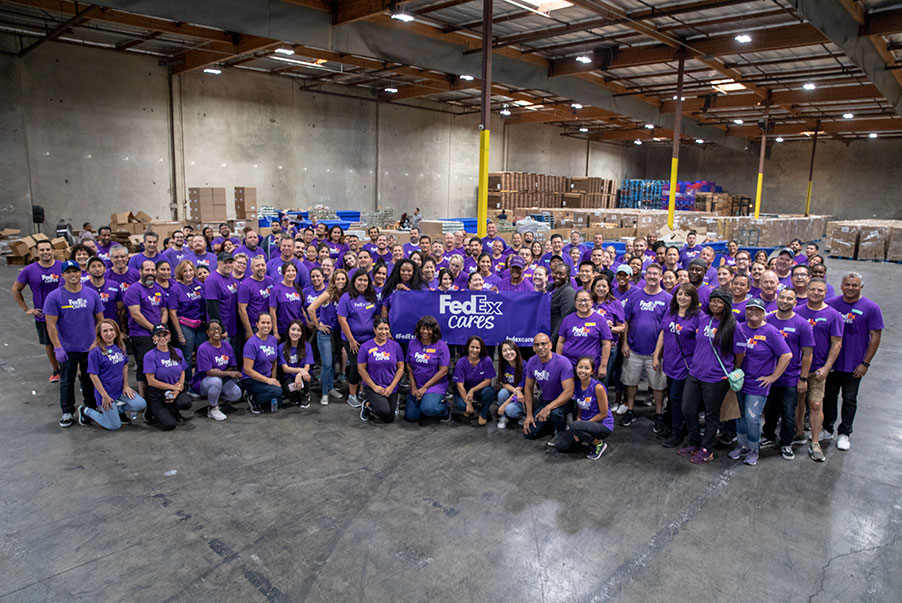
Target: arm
[[602, 398], [782, 363], [152, 381], [394, 382], [311, 312], [164, 315], [802, 386], [253, 374], [438, 376], [659, 349], [529, 421], [624, 346], [177, 325], [566, 396], [106, 402], [126, 389], [135, 313], [365, 376], [738, 359], [242, 312], [346, 329], [873, 344], [20, 300], [52, 332], [835, 346], [605, 356], [559, 348], [213, 309], [223, 374], [478, 387]]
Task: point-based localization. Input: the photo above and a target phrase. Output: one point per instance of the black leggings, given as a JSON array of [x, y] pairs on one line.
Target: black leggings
[[699, 395], [352, 372], [382, 407], [165, 414]]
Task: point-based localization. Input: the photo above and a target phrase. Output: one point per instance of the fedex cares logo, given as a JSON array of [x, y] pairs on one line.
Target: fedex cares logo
[[650, 305], [380, 355], [582, 331], [477, 312], [421, 357], [50, 279]]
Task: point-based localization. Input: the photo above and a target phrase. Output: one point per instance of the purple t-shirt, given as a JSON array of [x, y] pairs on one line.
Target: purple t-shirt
[[209, 357], [584, 336], [263, 353], [176, 256], [860, 319], [549, 375], [188, 300], [704, 365], [109, 294], [687, 254], [108, 368], [798, 334], [250, 253], [310, 295], [258, 297], [409, 248], [381, 360], [104, 252], [294, 359], [622, 295], [359, 312], [224, 289], [125, 280], [763, 347], [336, 251], [825, 323], [274, 270], [679, 343], [487, 243], [524, 286], [738, 309], [41, 281], [151, 300], [509, 376], [206, 259], [612, 311], [704, 295], [75, 316], [162, 366], [289, 305], [139, 258], [426, 360], [221, 240], [470, 375], [644, 312], [587, 402]]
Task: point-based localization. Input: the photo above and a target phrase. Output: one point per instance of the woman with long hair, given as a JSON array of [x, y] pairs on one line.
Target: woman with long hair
[[336, 245], [610, 308], [164, 370], [108, 370], [323, 316], [261, 355], [217, 372], [405, 276], [445, 281], [288, 299], [188, 310], [357, 308], [380, 363], [295, 359], [585, 333], [511, 379], [428, 363], [473, 376], [594, 422]]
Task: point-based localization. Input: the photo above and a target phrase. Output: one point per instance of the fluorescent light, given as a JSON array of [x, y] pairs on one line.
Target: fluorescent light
[[699, 141], [727, 85], [738, 122], [584, 129], [779, 139], [390, 90], [576, 106], [872, 135], [467, 78], [809, 86], [285, 51], [505, 112], [404, 17], [295, 61], [649, 126], [848, 115], [637, 141], [743, 38], [584, 59], [212, 71]]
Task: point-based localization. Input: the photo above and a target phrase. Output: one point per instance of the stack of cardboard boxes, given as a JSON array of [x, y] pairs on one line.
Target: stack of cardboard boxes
[[723, 204], [866, 239], [511, 190], [245, 203], [208, 204]]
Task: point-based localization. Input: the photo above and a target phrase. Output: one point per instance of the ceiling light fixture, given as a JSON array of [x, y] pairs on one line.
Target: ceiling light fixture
[[809, 86], [403, 17], [649, 126], [583, 59], [743, 38], [295, 61], [779, 139], [584, 130], [738, 122], [391, 90], [467, 77], [699, 141], [682, 98], [576, 106], [637, 141], [848, 115], [872, 135], [212, 71], [505, 112], [286, 51]]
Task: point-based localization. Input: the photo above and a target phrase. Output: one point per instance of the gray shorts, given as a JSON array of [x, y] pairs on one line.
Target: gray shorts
[[635, 365]]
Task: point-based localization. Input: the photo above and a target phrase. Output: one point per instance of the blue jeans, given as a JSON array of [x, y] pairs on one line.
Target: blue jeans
[[748, 426], [327, 361], [484, 397], [675, 394], [431, 405], [515, 409], [781, 404], [109, 419], [556, 423], [215, 388], [193, 339], [263, 393]]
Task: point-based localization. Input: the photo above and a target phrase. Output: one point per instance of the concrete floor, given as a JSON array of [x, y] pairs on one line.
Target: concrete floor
[[316, 505]]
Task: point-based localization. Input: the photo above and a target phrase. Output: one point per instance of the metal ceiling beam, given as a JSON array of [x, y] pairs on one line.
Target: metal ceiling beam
[[75, 20], [841, 27], [883, 23], [198, 59], [788, 97], [830, 127]]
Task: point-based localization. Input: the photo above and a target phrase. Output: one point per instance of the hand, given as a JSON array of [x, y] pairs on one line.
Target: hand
[[860, 371], [355, 347], [519, 393], [656, 363], [402, 287], [36, 312], [274, 382], [543, 414], [603, 373], [106, 402], [60, 354], [225, 335], [182, 340], [802, 387], [305, 375], [235, 374], [626, 350], [610, 324], [129, 392], [528, 423], [276, 335], [419, 393], [766, 381], [821, 374], [324, 328]]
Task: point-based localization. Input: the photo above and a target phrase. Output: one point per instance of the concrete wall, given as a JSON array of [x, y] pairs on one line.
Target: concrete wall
[[862, 179]]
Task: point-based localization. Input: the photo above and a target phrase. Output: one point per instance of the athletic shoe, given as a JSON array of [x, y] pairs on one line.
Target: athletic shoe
[[597, 451], [649, 401], [502, 422], [216, 414], [67, 420], [552, 442], [659, 426], [825, 436], [305, 401], [738, 453], [341, 378], [447, 416], [354, 401], [324, 400], [364, 413], [672, 441], [799, 439], [843, 443], [124, 418], [251, 404], [335, 393], [751, 458], [701, 457], [148, 418], [815, 452], [621, 410], [83, 418], [628, 419], [193, 394], [688, 451], [727, 439], [55, 377], [787, 453], [767, 443]]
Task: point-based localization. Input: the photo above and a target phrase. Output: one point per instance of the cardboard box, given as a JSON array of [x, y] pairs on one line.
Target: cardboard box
[[61, 254], [39, 236], [20, 247], [894, 244], [143, 217], [60, 243], [844, 240], [872, 242], [9, 232]]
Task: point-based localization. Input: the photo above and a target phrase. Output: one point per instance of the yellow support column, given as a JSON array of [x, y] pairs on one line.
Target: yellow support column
[[758, 194], [482, 205], [671, 205]]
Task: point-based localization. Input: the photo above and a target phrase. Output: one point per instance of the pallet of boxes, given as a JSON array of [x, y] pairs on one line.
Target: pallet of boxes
[[129, 228], [877, 240], [23, 251], [208, 204]]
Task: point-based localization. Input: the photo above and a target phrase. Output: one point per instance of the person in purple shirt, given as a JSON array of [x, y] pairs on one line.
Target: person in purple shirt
[[295, 360], [414, 244], [491, 230], [487, 271], [357, 308], [41, 277], [217, 371], [611, 309], [381, 250], [696, 270], [199, 256], [255, 295], [286, 255], [557, 250], [251, 247], [108, 370], [109, 292], [405, 276], [511, 380], [261, 355], [675, 346], [119, 272], [739, 287], [594, 422], [473, 376], [322, 315], [783, 264], [187, 311], [145, 302], [585, 333], [820, 271], [689, 251], [178, 252], [428, 360], [151, 241], [784, 393], [644, 311], [104, 244], [622, 290], [716, 354], [380, 362], [861, 339], [288, 300], [575, 241], [337, 248], [766, 357], [515, 281], [164, 372], [225, 234], [72, 311], [221, 294], [827, 325], [553, 375]]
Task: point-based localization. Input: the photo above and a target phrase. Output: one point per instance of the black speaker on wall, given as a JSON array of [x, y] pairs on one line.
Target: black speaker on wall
[[37, 214]]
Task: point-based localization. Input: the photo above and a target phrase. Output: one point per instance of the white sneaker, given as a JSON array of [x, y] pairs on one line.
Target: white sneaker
[[335, 393], [502, 422], [621, 410], [825, 436], [324, 400], [842, 442], [216, 414], [354, 401]]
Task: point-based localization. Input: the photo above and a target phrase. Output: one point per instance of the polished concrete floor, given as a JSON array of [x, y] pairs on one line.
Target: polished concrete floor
[[316, 505]]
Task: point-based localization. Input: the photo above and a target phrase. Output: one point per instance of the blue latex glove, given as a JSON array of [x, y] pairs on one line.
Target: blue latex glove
[[60, 354]]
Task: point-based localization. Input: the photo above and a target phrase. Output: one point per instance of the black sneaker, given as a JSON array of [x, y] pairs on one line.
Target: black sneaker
[[304, 402], [251, 405], [447, 417], [767, 443], [364, 413], [148, 416], [83, 418], [67, 420], [673, 441], [628, 419], [124, 418], [787, 453], [659, 424]]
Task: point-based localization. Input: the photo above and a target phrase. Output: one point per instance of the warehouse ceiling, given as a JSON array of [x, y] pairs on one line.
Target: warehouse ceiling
[[599, 69]]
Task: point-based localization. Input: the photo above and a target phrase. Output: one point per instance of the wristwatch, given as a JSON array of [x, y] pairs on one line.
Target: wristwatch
[[866, 364], [803, 378]]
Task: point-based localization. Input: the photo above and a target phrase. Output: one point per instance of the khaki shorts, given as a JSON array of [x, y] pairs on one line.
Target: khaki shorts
[[816, 387], [635, 365]]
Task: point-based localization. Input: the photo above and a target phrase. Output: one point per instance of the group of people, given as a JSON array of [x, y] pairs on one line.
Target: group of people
[[229, 319]]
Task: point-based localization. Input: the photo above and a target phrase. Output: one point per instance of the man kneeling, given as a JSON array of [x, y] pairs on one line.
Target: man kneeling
[[554, 376]]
